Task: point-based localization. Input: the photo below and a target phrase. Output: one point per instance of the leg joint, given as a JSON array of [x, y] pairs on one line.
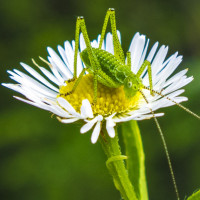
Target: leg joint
[[148, 63]]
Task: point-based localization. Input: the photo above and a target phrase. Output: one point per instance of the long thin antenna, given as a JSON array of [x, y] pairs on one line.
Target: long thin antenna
[[178, 104], [165, 147]]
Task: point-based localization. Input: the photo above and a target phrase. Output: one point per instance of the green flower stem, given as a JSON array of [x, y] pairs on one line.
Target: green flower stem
[[135, 162], [116, 166]]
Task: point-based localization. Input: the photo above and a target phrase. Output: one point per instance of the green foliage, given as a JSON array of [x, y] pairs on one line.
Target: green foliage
[[194, 196], [135, 162]]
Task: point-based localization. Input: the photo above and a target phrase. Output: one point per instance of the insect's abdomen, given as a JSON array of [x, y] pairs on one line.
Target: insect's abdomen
[[108, 63]]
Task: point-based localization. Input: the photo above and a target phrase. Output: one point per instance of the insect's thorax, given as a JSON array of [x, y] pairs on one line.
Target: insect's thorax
[[109, 64]]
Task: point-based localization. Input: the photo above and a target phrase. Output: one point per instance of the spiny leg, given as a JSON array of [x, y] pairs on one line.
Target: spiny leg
[[140, 71], [76, 82], [128, 57], [80, 26], [118, 51], [76, 49]]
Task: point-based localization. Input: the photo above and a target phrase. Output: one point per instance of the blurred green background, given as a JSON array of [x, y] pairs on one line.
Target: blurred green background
[[43, 159]]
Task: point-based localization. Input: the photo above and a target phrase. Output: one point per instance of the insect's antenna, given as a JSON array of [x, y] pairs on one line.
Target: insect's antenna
[[178, 104], [165, 147]]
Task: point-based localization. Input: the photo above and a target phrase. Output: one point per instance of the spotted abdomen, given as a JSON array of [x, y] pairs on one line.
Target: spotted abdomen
[[109, 64]]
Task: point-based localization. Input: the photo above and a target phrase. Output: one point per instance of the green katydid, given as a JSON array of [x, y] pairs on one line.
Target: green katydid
[[112, 71], [108, 69]]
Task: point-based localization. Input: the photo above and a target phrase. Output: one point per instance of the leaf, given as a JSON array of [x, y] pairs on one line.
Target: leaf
[[194, 196], [135, 162]]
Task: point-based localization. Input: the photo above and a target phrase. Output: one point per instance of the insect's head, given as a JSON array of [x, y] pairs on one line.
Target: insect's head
[[132, 85]]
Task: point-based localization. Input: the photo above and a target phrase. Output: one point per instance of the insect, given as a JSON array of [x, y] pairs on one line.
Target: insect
[[112, 71], [108, 69]]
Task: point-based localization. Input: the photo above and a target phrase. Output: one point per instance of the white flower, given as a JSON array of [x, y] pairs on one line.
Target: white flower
[[47, 91]]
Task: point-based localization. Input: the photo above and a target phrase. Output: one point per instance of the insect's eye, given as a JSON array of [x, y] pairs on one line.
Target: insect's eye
[[129, 84]]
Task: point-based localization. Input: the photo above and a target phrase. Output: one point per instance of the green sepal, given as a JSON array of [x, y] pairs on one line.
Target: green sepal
[[136, 159]]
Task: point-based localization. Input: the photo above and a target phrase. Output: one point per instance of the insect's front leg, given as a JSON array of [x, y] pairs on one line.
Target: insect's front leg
[[76, 82], [147, 64], [95, 88], [80, 26]]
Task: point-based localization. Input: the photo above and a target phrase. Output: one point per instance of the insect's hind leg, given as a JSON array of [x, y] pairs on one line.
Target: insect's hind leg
[[147, 64], [118, 51], [80, 26]]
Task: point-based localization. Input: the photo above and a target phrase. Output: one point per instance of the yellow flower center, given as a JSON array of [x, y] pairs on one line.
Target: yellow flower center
[[109, 100]]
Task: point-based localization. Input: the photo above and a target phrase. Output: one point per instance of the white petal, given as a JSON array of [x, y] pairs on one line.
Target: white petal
[[136, 48], [169, 69], [69, 52], [56, 109], [109, 43], [58, 69], [96, 132], [50, 76], [152, 52], [67, 106], [32, 84], [175, 77], [38, 76], [68, 121], [55, 70], [94, 44], [59, 63], [144, 53], [64, 57], [86, 109], [110, 123], [110, 128], [91, 123], [88, 126], [149, 116], [82, 42], [42, 106], [156, 65], [119, 36]]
